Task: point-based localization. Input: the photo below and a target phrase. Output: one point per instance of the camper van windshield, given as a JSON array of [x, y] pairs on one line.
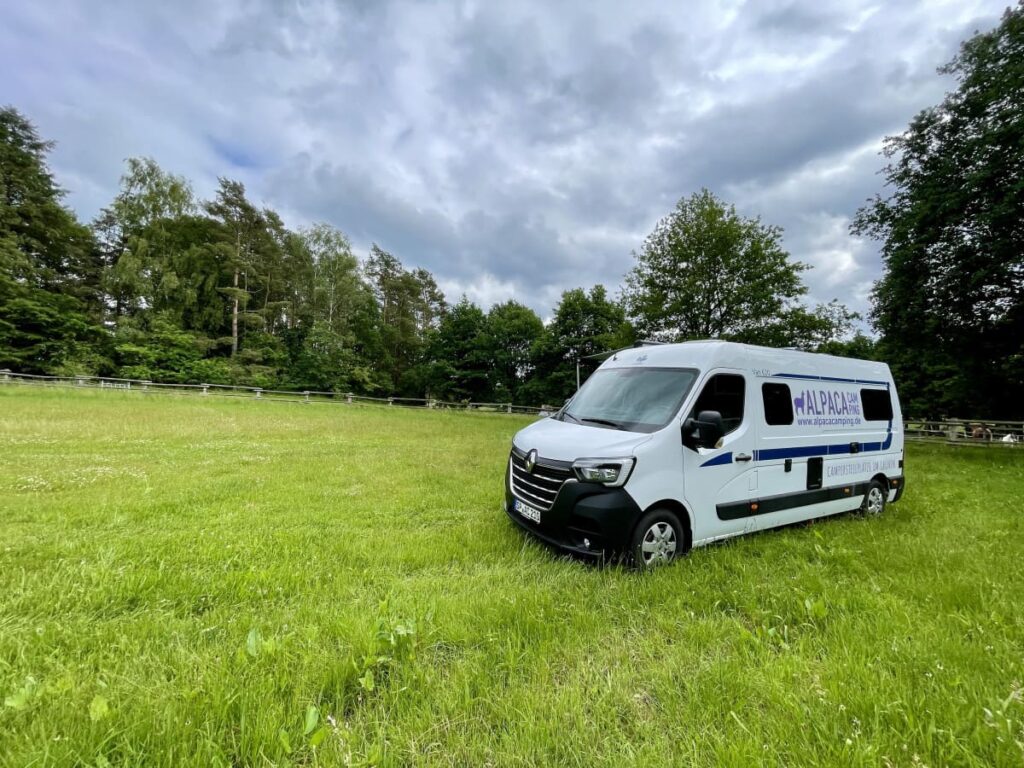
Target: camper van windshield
[[631, 399]]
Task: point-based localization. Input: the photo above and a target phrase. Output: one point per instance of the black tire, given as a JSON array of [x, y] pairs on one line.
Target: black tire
[[658, 539], [875, 499]]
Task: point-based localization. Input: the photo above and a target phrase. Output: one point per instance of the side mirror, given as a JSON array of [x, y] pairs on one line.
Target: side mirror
[[711, 428], [703, 432], [690, 436]]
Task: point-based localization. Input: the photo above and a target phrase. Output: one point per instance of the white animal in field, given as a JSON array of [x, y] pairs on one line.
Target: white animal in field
[[1010, 438]]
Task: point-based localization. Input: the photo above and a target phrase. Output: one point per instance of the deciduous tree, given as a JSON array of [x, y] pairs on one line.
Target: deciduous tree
[[512, 332], [584, 324], [950, 305], [705, 272], [708, 273]]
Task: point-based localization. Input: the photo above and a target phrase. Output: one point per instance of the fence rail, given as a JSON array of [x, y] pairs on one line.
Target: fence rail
[[952, 431], [966, 431], [259, 393]]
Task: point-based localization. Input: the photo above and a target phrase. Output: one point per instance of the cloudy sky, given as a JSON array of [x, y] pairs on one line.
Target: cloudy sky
[[515, 149]]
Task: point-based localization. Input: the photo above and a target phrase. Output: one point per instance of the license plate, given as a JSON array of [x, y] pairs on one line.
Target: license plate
[[526, 511]]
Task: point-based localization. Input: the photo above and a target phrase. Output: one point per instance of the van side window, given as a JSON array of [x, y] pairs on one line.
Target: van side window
[[877, 404], [778, 405], [724, 393]]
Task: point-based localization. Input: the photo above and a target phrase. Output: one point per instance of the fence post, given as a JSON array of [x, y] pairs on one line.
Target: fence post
[[508, 409], [206, 388], [145, 385], [391, 401], [305, 396], [348, 398], [79, 381], [431, 403], [5, 374], [259, 393]]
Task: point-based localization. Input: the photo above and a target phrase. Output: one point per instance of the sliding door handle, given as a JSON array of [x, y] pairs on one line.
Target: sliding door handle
[[743, 457]]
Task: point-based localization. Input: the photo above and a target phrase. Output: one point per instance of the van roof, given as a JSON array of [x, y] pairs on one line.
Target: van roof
[[706, 355]]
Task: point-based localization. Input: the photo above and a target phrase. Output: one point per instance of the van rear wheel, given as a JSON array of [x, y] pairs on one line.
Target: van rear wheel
[[657, 539], [874, 499]]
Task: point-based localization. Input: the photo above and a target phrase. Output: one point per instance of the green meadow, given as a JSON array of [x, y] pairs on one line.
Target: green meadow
[[189, 580]]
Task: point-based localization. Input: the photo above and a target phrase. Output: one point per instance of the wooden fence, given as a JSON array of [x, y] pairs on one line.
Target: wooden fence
[[258, 393], [1006, 434]]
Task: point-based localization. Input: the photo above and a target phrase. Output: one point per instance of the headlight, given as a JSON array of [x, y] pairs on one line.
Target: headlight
[[610, 472]]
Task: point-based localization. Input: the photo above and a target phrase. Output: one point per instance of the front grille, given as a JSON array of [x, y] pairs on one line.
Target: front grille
[[540, 487]]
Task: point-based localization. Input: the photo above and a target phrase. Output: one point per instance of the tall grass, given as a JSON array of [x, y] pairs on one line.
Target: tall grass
[[189, 581]]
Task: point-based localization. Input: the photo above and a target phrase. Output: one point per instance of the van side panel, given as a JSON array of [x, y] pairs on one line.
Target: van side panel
[[823, 460]]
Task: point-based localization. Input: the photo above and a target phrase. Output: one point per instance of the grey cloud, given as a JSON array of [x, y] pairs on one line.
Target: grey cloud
[[794, 19], [510, 148], [371, 214], [519, 249]]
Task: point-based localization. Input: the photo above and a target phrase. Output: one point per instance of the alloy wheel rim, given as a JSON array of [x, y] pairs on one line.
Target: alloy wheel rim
[[659, 544], [875, 500]]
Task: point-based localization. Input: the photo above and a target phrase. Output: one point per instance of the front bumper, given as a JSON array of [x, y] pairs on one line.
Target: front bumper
[[582, 513]]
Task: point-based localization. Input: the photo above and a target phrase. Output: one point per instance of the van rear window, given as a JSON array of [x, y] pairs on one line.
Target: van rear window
[[778, 405], [877, 404]]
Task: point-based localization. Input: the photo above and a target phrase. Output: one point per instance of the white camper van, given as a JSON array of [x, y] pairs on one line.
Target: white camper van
[[668, 447]]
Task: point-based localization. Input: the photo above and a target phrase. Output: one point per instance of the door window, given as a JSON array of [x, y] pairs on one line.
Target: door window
[[724, 393]]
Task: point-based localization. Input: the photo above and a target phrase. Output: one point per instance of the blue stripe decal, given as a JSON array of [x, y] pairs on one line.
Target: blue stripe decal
[[812, 377], [796, 453], [835, 449], [722, 458]]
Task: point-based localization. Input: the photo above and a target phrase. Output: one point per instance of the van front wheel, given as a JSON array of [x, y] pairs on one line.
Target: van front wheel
[[874, 499], [657, 539]]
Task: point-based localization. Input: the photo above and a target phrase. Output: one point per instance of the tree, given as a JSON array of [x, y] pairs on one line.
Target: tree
[[429, 306], [155, 347], [411, 305], [274, 270], [827, 326], [950, 304], [860, 346], [50, 301], [708, 273], [244, 232], [339, 314], [337, 286], [137, 249], [458, 366], [512, 331], [197, 262], [328, 361], [584, 324], [61, 252]]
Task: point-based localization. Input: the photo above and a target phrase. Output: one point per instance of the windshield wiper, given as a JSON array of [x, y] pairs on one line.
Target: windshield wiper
[[566, 413], [613, 424]]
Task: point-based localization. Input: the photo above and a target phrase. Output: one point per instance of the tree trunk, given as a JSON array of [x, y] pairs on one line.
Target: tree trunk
[[234, 321]]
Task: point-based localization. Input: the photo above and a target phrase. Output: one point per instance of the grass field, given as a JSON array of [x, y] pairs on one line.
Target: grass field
[[189, 580]]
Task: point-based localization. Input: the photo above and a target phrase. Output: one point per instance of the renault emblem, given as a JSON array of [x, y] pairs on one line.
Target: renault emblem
[[531, 460]]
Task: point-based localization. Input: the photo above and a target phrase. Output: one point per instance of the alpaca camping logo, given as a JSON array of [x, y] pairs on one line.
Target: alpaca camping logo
[[798, 403], [827, 407]]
